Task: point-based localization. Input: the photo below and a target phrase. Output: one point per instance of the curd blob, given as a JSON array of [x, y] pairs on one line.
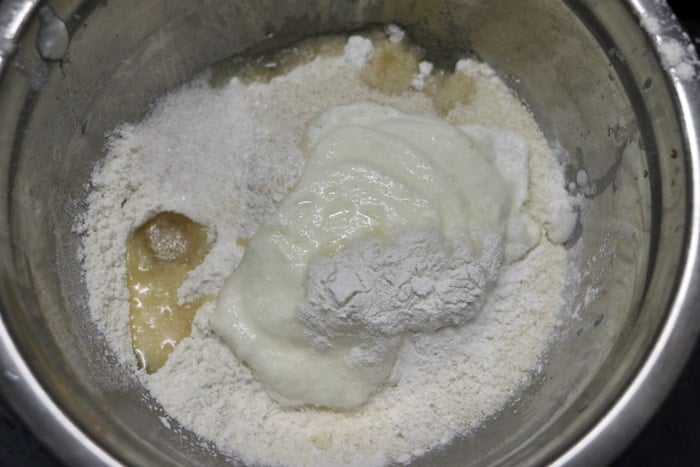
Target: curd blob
[[374, 174]]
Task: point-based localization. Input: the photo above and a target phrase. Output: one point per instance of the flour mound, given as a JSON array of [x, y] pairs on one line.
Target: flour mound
[[413, 284]]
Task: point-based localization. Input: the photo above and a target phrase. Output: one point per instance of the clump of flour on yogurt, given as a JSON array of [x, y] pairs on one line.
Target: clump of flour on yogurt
[[414, 284], [230, 156]]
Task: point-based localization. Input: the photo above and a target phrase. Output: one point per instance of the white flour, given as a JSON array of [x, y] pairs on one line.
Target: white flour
[[226, 158], [413, 284], [678, 59]]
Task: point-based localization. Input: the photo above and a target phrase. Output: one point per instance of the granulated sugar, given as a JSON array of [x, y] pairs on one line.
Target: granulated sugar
[[225, 158]]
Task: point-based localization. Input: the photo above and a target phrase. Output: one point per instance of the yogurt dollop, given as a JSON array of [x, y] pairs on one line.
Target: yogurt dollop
[[376, 173]]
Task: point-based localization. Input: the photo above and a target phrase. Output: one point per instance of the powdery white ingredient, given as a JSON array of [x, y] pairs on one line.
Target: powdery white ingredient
[[424, 70], [226, 158], [677, 58], [358, 50], [560, 221], [651, 24], [394, 33], [413, 284], [582, 178], [475, 69]]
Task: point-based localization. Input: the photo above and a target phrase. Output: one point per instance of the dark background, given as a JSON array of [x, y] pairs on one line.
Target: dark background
[[670, 438]]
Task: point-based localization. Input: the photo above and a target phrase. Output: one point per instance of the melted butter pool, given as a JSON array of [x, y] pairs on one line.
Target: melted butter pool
[[159, 256]]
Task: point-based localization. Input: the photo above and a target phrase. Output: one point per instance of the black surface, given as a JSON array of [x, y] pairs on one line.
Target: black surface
[[670, 439], [18, 447]]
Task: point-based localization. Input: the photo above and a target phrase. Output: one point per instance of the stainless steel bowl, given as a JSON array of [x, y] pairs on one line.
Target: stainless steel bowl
[[593, 78]]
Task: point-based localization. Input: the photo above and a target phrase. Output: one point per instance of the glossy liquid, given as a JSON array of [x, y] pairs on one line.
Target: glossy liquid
[[393, 66], [159, 256]]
